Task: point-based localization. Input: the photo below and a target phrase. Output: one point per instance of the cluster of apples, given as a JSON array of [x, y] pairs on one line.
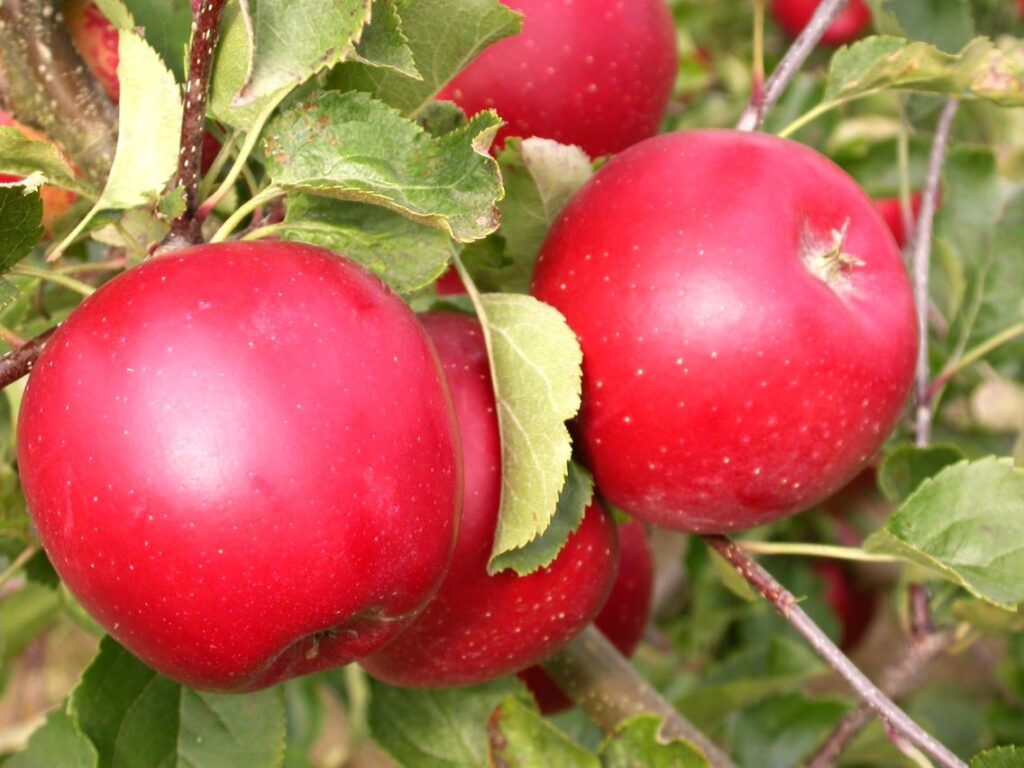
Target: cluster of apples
[[251, 461]]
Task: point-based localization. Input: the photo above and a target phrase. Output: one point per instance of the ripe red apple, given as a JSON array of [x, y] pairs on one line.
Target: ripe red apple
[[892, 212], [747, 327], [597, 74], [56, 201], [243, 461], [851, 23], [623, 618], [480, 627]]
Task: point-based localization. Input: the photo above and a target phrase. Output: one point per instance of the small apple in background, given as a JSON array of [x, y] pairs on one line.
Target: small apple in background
[[56, 201], [851, 603], [597, 74], [852, 22], [449, 284], [242, 459], [892, 212], [479, 626], [96, 41], [623, 618], [747, 325]]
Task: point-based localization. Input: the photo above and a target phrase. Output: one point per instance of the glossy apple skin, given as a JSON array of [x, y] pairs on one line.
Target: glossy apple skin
[[480, 627], [242, 459], [851, 23], [623, 618], [725, 384], [597, 74], [56, 201]]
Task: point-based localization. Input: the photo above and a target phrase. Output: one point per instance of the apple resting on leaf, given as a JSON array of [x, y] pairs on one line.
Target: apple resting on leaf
[[56, 201], [747, 326], [852, 22], [623, 618], [242, 459], [479, 626], [597, 74]]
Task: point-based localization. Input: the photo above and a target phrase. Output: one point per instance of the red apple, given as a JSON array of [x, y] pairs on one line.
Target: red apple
[[97, 42], [892, 212], [449, 284], [747, 325], [851, 23], [623, 618], [56, 201], [597, 74], [242, 460], [480, 627], [852, 604]]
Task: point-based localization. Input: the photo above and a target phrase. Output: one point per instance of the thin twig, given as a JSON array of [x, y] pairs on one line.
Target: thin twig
[[47, 87], [19, 562], [761, 104], [783, 601], [899, 680], [922, 264], [186, 229], [607, 687], [19, 362]]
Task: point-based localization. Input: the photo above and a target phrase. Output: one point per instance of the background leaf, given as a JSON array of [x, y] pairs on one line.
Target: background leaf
[[58, 742], [637, 744], [520, 738]]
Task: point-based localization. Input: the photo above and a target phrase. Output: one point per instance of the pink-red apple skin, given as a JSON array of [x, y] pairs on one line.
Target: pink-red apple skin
[[242, 459], [597, 74], [56, 201], [623, 618], [892, 212], [852, 22], [727, 380], [480, 627]]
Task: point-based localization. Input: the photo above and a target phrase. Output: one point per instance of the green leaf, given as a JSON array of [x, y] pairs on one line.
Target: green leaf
[[576, 495], [987, 617], [980, 70], [521, 738], [166, 25], [139, 719], [637, 743], [440, 728], [1003, 757], [748, 676], [732, 580], [21, 214], [536, 363], [149, 128], [350, 147], [292, 40], [404, 254], [383, 43], [540, 177], [444, 35], [967, 525], [22, 156], [58, 742], [783, 731], [908, 466], [947, 24]]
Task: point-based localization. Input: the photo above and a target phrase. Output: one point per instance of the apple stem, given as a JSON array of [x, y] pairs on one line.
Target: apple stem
[[763, 101], [18, 362], [592, 672], [186, 229], [922, 264], [46, 87], [875, 701]]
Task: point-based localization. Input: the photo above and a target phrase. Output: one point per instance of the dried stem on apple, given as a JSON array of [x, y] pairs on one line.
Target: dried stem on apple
[[921, 266], [46, 86], [897, 721], [18, 362], [205, 34], [605, 685], [765, 99]]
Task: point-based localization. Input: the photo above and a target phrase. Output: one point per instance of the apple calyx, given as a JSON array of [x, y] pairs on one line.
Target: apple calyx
[[827, 261]]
